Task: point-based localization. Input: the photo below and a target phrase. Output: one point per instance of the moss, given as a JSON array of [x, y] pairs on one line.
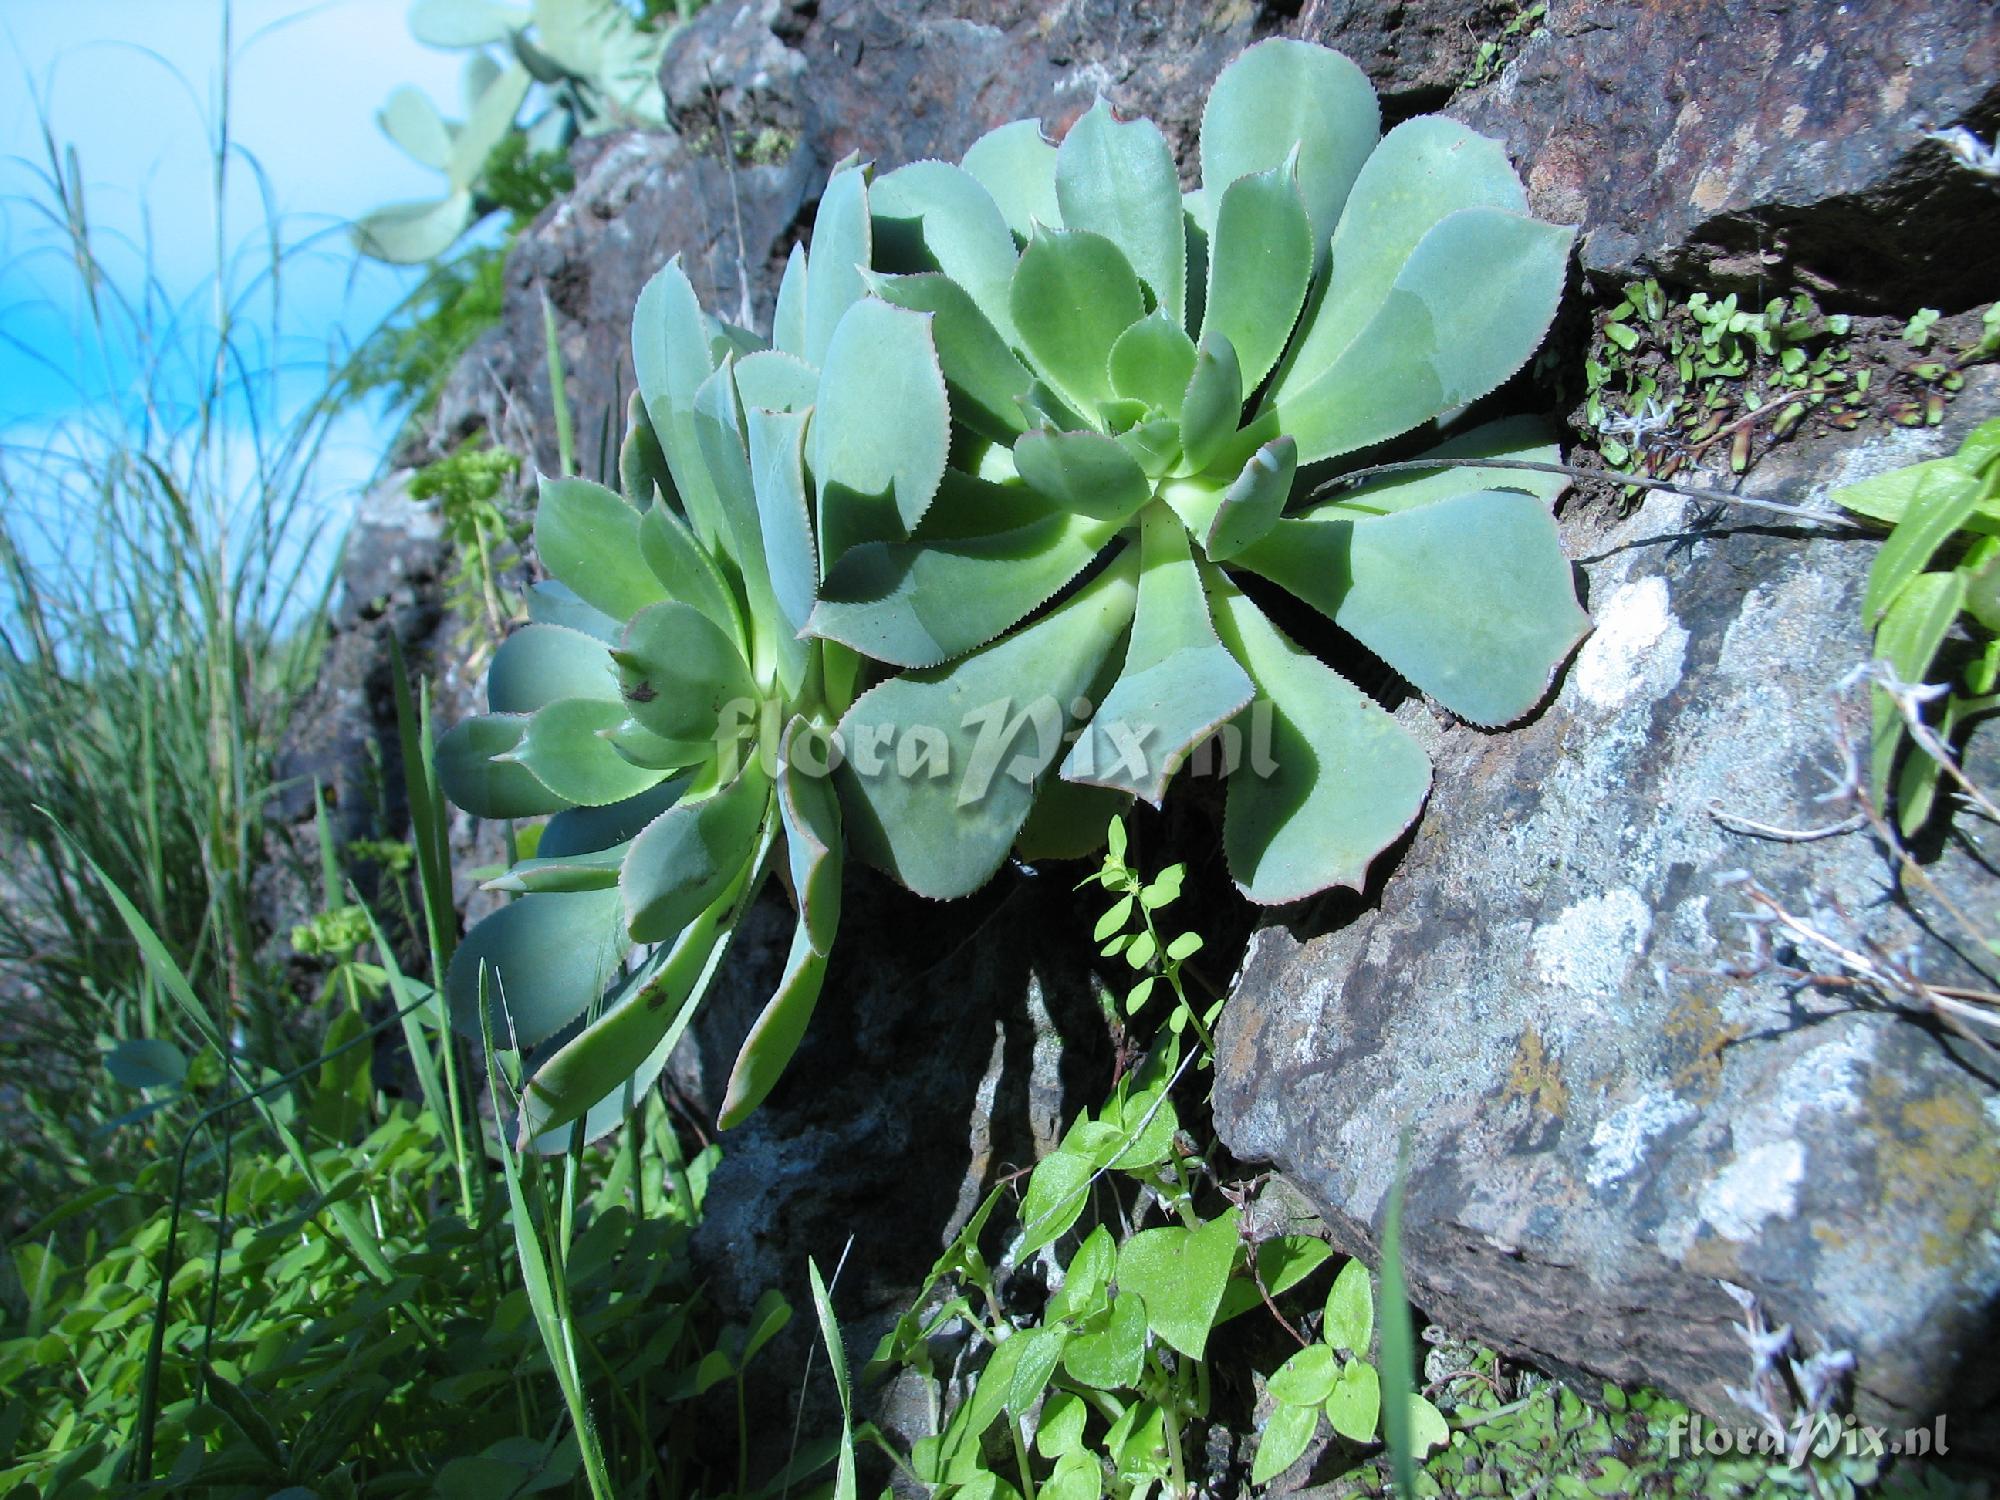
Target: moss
[[1536, 1077], [1941, 1169]]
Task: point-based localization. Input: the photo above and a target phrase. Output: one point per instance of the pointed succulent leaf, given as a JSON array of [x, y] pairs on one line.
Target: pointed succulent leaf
[[1252, 505], [546, 958], [776, 381], [641, 747], [671, 359], [841, 245], [1074, 293], [473, 775], [619, 1055], [1467, 309], [1469, 598], [788, 321], [1085, 473], [1424, 170], [408, 234], [1213, 406], [486, 126], [643, 474], [919, 604], [596, 871], [1120, 181], [566, 751], [933, 216], [881, 428], [1282, 95], [539, 664], [814, 847], [775, 1034], [778, 471], [681, 676], [553, 603], [590, 830], [1260, 260], [1044, 408], [686, 570], [588, 538], [1335, 781], [688, 856], [452, 24], [967, 507], [1517, 438], [1178, 684], [413, 123], [1155, 445], [986, 380], [1152, 362], [1017, 166], [991, 727]]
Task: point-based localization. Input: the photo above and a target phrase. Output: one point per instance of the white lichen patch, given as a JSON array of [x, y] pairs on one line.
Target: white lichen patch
[[1620, 1140], [1637, 650], [1760, 1184], [1587, 951]]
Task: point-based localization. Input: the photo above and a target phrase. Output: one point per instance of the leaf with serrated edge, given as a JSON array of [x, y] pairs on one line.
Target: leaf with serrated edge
[[881, 430], [596, 871], [688, 855], [682, 676], [1152, 362], [775, 1034], [921, 604], [546, 956], [1469, 598], [588, 537], [539, 664], [588, 830], [1178, 684], [841, 245], [471, 774], [1260, 261], [687, 571], [1254, 503], [1074, 293], [986, 381], [933, 216], [777, 470], [566, 752], [1017, 165], [997, 719], [1343, 780], [776, 381], [813, 843], [1282, 95], [1083, 472], [1120, 181], [1212, 409], [1525, 439], [672, 360], [788, 322], [552, 603]]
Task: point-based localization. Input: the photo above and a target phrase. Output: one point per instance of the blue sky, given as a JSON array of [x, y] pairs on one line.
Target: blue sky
[[130, 85]]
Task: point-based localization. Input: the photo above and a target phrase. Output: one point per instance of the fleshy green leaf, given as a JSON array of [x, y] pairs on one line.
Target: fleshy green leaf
[[842, 241], [1213, 407], [689, 855], [1354, 1405], [1306, 1379], [1467, 309], [788, 321], [1252, 505], [992, 726], [776, 1033], [921, 604], [881, 428], [596, 871], [1522, 438], [686, 570], [776, 381], [1179, 1273], [1068, 821], [813, 842], [1350, 1310], [413, 123], [1120, 181], [672, 360], [1152, 362], [985, 379], [452, 24], [1083, 472], [1074, 293], [932, 216], [471, 774], [1287, 1434], [552, 603], [588, 537], [1282, 95], [1178, 683], [1337, 782], [547, 957], [587, 830], [683, 677], [408, 234], [565, 750], [777, 470], [1017, 165], [1260, 259], [539, 664], [1469, 598]]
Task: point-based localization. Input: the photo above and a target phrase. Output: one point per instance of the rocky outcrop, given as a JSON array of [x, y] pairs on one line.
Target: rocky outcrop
[[1622, 1082]]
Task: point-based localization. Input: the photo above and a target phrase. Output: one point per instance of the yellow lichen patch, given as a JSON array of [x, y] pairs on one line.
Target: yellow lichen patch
[[1536, 1077], [1942, 1167], [1696, 1036]]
